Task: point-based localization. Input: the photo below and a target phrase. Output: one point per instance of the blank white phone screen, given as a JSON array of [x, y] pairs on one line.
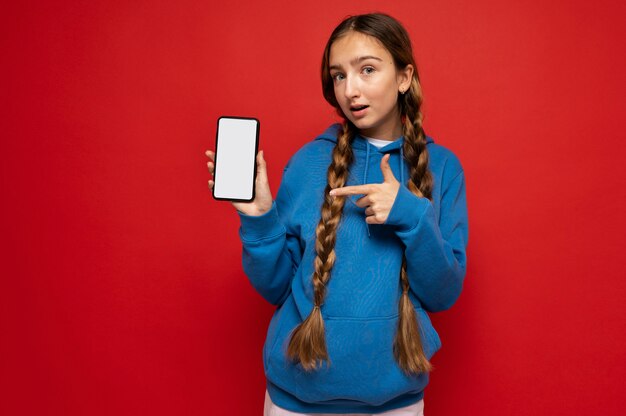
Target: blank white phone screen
[[234, 159]]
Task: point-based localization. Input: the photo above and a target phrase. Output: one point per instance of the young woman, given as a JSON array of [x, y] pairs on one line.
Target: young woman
[[368, 232]]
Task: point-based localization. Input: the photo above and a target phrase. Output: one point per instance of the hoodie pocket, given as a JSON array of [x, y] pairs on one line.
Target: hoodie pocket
[[362, 367]]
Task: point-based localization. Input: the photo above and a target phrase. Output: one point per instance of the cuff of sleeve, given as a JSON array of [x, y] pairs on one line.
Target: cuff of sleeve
[[258, 227], [407, 209]]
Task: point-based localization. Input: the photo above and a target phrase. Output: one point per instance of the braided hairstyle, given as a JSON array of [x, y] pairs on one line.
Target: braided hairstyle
[[308, 344]]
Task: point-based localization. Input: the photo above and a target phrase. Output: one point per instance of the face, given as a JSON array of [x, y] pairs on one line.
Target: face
[[367, 85]]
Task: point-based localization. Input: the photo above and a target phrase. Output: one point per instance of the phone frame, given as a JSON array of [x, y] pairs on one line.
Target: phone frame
[[256, 151]]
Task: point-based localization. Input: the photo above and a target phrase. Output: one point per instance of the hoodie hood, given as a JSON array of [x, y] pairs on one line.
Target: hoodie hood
[[361, 146]]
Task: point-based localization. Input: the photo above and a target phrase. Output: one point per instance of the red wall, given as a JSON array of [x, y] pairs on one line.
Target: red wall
[[122, 289]]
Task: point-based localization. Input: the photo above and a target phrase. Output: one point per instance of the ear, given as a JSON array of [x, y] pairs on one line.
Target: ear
[[404, 78]]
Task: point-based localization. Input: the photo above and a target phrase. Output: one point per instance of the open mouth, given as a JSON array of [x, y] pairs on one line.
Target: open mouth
[[358, 107]]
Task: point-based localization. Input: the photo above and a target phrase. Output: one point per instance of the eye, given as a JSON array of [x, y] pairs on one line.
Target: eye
[[368, 70], [337, 76]]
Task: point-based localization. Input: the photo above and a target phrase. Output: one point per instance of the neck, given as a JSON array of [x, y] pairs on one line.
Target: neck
[[389, 131]]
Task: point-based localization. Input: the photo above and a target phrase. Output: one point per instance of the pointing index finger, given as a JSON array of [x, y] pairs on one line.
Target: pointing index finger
[[351, 190]]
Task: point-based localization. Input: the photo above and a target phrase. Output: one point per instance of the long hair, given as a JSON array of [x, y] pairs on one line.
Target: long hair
[[308, 344]]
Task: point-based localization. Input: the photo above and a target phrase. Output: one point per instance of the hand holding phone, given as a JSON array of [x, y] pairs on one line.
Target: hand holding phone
[[240, 177]]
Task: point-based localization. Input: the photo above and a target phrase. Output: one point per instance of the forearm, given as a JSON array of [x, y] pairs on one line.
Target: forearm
[[267, 254], [435, 251], [435, 266]]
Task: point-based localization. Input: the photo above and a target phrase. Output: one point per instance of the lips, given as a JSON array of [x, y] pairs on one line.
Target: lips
[[358, 110], [358, 107]]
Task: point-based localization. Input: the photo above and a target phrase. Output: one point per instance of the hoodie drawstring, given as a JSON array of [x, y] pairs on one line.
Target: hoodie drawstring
[[401, 166], [367, 162]]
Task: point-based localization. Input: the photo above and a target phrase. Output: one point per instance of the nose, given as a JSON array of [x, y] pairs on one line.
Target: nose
[[352, 87]]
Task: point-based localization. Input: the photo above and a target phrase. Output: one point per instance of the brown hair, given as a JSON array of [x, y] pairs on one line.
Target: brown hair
[[308, 344]]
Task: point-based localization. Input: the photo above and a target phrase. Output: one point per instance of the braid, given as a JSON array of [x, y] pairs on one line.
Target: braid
[[415, 142], [408, 348], [308, 342]]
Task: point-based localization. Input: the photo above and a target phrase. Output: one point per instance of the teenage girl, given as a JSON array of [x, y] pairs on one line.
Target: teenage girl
[[367, 234]]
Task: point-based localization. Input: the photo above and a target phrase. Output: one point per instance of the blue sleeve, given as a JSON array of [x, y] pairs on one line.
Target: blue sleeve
[[271, 252], [435, 252]]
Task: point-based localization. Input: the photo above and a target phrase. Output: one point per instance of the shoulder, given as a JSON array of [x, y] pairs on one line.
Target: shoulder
[[307, 166], [314, 149], [313, 154], [443, 160]]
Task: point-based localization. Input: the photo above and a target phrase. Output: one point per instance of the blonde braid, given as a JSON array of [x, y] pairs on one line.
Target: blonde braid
[[408, 347], [308, 342]]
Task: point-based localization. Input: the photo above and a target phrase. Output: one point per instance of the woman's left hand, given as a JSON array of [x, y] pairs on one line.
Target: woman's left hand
[[379, 197]]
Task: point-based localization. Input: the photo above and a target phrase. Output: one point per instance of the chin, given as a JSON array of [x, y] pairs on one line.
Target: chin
[[362, 124]]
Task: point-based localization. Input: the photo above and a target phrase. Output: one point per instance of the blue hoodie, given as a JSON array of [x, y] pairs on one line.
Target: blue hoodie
[[360, 310]]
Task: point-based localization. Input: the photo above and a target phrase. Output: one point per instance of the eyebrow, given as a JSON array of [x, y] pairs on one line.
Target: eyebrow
[[357, 60]]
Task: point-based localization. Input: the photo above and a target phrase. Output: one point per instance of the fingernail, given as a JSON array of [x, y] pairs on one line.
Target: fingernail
[[332, 192]]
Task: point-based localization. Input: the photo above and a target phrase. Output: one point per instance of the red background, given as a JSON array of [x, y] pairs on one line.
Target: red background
[[122, 287]]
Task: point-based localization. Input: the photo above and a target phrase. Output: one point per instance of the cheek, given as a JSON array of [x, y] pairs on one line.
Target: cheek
[[340, 97], [337, 90], [381, 90], [391, 92]]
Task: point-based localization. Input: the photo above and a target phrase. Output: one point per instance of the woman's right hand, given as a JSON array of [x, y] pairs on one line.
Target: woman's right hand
[[262, 201]]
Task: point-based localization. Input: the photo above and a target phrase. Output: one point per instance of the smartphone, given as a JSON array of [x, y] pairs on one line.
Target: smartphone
[[236, 146]]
